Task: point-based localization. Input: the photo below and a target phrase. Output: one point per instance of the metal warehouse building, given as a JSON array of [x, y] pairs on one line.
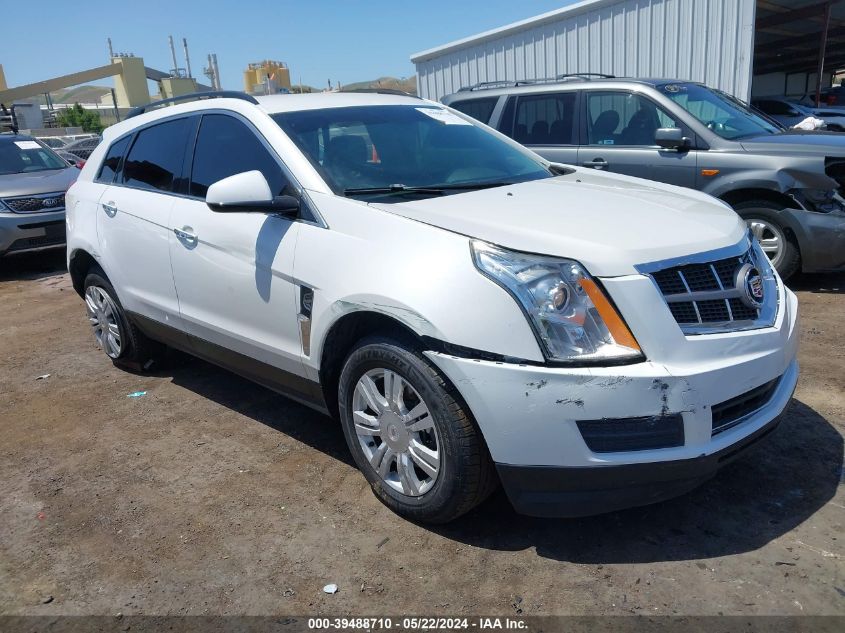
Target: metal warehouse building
[[774, 46]]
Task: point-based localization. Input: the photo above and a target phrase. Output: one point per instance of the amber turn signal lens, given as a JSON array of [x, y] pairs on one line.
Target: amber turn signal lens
[[615, 325]]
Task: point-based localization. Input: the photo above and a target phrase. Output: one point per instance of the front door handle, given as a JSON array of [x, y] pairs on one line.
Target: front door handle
[[186, 234], [596, 163], [110, 209]]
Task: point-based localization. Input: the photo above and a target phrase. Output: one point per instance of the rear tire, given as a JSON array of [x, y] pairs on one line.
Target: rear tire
[[115, 334], [762, 218], [411, 436]]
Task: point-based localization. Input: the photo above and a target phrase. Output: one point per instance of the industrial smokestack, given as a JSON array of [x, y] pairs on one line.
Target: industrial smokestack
[[175, 71], [187, 57]]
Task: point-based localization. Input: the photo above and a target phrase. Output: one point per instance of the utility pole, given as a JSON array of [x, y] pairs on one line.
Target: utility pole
[[187, 57]]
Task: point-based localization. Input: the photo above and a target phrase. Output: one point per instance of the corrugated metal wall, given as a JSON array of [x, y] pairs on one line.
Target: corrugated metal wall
[[701, 40]]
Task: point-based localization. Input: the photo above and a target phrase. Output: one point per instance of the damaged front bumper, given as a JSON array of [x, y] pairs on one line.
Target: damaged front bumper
[[667, 426]]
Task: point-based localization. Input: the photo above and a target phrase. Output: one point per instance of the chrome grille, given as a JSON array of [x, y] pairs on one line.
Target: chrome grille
[[708, 292], [36, 204]]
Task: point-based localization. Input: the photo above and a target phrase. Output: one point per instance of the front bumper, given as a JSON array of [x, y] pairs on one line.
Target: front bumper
[[547, 491], [25, 232], [821, 238], [529, 414]]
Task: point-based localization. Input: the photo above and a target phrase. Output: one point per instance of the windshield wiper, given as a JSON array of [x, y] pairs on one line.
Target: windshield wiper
[[434, 190]]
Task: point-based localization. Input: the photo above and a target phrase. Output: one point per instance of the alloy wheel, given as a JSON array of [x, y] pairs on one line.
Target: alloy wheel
[[771, 238], [396, 431], [102, 314]]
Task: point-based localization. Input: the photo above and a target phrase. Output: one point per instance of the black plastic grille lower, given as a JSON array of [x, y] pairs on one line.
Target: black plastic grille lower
[[54, 236], [731, 412], [613, 435]]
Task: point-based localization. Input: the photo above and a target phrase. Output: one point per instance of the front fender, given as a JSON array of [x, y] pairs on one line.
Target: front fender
[[419, 275]]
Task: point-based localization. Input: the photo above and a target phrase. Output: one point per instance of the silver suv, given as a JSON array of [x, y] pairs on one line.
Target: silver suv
[[33, 182], [788, 185]]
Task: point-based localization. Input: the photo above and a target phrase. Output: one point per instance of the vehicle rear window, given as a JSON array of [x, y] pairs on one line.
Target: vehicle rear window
[[155, 160], [225, 147], [547, 119], [478, 109], [111, 164]]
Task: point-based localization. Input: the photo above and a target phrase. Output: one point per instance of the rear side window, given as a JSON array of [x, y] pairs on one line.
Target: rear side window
[[478, 109], [225, 147], [547, 119], [155, 160], [112, 163]]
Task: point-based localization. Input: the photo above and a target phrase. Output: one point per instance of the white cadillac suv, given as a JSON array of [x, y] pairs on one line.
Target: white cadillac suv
[[472, 313]]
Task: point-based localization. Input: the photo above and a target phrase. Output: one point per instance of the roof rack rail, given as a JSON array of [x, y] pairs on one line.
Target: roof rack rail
[[504, 83], [382, 91], [586, 76], [194, 96]]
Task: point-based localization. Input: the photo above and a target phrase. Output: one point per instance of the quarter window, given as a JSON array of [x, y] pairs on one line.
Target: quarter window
[[225, 147], [624, 118], [155, 160], [547, 119], [478, 109], [111, 164]]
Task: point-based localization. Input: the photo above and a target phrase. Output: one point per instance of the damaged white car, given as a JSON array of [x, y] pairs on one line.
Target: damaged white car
[[472, 313]]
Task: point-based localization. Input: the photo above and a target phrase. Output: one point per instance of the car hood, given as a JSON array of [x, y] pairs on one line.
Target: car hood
[[35, 182], [797, 142], [609, 223]]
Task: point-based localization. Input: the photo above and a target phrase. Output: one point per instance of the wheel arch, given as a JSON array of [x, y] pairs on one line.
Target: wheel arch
[[341, 338], [79, 264], [737, 196]]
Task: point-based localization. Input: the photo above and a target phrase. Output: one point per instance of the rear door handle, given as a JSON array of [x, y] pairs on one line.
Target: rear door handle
[[110, 209], [596, 163], [186, 234]]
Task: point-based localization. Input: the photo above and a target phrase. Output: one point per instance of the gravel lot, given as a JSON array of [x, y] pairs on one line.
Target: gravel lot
[[211, 495]]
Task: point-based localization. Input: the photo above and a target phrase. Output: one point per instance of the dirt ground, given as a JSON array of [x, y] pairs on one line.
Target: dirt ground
[[211, 495]]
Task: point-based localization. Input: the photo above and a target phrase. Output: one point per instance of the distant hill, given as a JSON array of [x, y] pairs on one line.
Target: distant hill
[[77, 94], [406, 84]]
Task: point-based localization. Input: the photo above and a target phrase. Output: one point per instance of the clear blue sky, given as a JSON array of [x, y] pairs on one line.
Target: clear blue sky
[[319, 39]]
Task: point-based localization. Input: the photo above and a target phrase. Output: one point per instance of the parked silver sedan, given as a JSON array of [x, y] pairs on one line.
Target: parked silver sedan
[[33, 182]]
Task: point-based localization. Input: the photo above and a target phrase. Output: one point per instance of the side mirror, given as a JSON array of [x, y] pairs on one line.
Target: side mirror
[[248, 192], [671, 138]]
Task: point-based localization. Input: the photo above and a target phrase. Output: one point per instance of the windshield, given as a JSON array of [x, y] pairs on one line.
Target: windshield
[[388, 151], [728, 117], [17, 157]]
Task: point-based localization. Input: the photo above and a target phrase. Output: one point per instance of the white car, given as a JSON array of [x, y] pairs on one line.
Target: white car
[[472, 313]]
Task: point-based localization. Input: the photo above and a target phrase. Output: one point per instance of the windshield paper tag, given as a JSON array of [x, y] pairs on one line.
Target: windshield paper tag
[[444, 116], [27, 144]]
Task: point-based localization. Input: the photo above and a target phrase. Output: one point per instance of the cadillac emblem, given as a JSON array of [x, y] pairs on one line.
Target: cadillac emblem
[[749, 283]]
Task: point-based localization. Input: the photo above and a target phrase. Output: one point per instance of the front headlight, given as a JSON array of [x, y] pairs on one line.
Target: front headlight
[[569, 313]]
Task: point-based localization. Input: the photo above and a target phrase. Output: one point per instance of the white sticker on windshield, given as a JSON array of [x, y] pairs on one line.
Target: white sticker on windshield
[[27, 144], [444, 116]]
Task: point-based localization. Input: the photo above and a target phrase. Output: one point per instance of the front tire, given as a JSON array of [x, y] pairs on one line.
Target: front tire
[[409, 433], [761, 217]]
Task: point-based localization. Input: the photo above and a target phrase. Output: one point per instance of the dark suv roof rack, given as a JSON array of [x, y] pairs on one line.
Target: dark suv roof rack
[[587, 76], [489, 85], [194, 96], [382, 91]]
